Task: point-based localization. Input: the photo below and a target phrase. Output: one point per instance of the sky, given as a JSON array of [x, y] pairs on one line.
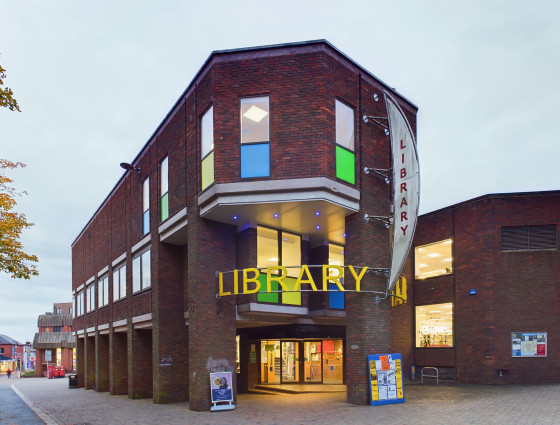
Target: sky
[[94, 79]]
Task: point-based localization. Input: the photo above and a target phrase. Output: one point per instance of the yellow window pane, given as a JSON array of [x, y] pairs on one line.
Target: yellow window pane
[[207, 170]]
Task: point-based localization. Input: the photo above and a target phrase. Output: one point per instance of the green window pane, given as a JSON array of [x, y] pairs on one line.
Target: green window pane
[[293, 298], [207, 170], [267, 297], [345, 169], [165, 207]]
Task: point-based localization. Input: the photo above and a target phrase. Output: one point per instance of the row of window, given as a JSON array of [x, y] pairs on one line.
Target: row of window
[[278, 248], [255, 141], [436, 259], [141, 279]]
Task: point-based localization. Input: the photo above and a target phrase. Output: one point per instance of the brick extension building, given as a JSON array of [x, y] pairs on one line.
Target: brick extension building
[[55, 344], [484, 291], [12, 354], [257, 165]]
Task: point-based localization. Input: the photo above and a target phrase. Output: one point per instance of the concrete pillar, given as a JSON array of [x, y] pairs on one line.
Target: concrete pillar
[[118, 363]]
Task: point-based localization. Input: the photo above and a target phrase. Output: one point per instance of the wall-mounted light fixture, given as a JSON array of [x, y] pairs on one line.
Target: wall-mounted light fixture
[[129, 167], [472, 292]]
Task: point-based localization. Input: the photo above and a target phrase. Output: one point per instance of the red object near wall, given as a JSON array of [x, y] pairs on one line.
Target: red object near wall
[[50, 371]]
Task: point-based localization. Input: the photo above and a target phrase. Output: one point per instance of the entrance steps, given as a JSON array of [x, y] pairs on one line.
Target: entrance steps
[[299, 388]]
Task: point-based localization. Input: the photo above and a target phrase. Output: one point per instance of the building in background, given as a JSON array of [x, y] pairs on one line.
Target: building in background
[[252, 187], [55, 343], [484, 291], [12, 354]]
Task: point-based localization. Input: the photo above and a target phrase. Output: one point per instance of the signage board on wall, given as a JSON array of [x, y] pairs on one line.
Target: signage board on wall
[[528, 344], [386, 380]]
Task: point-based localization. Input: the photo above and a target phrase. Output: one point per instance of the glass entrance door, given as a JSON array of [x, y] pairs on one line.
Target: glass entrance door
[[290, 361], [312, 362]]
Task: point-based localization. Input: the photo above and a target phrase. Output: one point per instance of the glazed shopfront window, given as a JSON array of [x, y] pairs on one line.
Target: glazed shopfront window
[[277, 248], [434, 259], [434, 325]]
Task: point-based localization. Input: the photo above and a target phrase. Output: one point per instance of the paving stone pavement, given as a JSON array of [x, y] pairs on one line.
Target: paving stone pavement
[[425, 404]]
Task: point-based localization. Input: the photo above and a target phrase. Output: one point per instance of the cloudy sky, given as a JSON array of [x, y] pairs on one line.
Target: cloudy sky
[[95, 78]]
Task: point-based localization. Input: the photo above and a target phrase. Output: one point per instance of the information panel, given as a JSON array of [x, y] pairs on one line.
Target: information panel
[[221, 391], [385, 371], [528, 344]]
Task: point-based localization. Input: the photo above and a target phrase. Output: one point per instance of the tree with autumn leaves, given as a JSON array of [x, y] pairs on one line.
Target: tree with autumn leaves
[[13, 260]]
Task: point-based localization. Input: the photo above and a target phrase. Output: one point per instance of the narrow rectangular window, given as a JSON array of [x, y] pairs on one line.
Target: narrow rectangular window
[[207, 148], [164, 168], [336, 258], [90, 298], [103, 291], [255, 137], [345, 156], [146, 206], [141, 272], [119, 283]]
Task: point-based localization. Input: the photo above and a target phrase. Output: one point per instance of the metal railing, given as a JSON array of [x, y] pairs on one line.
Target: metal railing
[[430, 375]]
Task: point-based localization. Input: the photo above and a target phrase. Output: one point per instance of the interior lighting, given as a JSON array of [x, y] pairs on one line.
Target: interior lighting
[[317, 213], [344, 235], [434, 254], [256, 114], [276, 215], [235, 217], [318, 227]]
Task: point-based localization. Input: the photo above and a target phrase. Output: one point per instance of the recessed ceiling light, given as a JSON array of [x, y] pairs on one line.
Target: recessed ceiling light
[[256, 114]]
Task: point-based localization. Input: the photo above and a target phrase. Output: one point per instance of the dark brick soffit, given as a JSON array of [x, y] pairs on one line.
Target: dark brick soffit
[[492, 196], [202, 71]]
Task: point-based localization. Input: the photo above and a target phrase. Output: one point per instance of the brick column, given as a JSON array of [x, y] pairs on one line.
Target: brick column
[[80, 361], [102, 362], [89, 358], [140, 378], [211, 322], [118, 364], [170, 335]]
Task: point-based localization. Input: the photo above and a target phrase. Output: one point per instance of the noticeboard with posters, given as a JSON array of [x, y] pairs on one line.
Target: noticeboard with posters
[[386, 381], [528, 344]]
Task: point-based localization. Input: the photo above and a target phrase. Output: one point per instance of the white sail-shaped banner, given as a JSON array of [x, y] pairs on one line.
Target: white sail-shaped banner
[[406, 188]]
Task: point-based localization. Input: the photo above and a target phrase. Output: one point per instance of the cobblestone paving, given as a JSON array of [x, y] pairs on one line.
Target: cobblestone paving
[[428, 404]]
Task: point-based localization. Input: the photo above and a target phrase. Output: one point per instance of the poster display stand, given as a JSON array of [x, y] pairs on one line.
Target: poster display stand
[[221, 391], [386, 381]]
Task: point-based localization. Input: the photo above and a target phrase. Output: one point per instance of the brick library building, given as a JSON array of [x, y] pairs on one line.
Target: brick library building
[[236, 242]]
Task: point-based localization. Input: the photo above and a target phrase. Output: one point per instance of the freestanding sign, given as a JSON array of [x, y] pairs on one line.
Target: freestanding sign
[[406, 187], [386, 382], [220, 388]]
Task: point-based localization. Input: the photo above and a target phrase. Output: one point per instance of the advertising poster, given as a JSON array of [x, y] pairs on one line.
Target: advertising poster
[[220, 386], [385, 371], [528, 344]]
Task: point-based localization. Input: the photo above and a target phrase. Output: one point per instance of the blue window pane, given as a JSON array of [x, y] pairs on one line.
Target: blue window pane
[[336, 299], [255, 160]]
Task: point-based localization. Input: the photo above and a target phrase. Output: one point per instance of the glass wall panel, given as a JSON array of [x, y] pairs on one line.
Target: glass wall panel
[[290, 361], [344, 125], [136, 275], [255, 160], [255, 120], [164, 167], [433, 260], [345, 169], [267, 255], [434, 325], [312, 361], [291, 253], [270, 362], [332, 361]]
